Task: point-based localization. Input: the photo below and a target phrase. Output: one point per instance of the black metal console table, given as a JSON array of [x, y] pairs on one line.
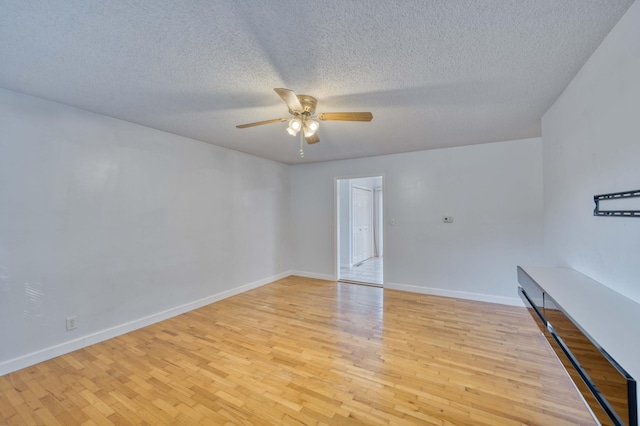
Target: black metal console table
[[580, 318]]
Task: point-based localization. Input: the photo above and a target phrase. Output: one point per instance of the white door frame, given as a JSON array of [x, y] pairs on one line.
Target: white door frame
[[336, 221]]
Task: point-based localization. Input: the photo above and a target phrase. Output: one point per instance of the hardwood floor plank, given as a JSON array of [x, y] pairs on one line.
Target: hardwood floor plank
[[305, 351]]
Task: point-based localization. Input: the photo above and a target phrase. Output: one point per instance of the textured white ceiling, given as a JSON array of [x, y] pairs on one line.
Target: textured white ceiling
[[434, 73]]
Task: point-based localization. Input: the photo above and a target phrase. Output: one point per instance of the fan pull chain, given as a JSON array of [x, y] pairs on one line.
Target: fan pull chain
[[301, 145]]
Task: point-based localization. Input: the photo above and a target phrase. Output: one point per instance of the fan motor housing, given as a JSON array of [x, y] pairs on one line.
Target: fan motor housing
[[308, 103]]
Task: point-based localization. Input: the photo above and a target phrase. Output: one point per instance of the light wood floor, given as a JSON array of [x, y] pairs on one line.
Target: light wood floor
[[303, 351]]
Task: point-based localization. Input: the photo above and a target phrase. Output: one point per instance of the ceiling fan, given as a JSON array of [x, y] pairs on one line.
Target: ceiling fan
[[305, 119]]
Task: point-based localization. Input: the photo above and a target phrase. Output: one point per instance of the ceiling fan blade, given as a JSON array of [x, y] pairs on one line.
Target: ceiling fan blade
[[313, 139], [346, 116], [291, 99], [260, 123]]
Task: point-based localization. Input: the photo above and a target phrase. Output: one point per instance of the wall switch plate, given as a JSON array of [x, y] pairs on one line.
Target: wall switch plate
[[71, 323], [447, 219]]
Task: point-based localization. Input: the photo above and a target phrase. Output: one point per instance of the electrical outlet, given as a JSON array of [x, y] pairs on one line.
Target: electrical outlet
[[71, 323], [447, 219]]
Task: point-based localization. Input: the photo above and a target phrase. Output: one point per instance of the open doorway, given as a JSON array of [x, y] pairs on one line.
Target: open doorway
[[360, 230]]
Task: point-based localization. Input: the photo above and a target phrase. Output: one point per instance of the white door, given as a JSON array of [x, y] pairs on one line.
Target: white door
[[361, 224]]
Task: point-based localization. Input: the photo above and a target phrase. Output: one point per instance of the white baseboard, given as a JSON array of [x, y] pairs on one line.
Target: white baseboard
[[33, 358], [512, 301], [314, 275]]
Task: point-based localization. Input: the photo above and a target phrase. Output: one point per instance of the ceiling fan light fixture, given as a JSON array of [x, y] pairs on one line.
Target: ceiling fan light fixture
[[295, 124], [312, 125], [308, 132]]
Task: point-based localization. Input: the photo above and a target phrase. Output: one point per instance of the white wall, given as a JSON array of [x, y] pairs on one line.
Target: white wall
[[494, 192], [115, 222], [591, 140], [591, 145]]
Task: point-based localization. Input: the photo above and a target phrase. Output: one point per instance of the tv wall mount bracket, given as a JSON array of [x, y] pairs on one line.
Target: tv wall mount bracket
[[616, 196]]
